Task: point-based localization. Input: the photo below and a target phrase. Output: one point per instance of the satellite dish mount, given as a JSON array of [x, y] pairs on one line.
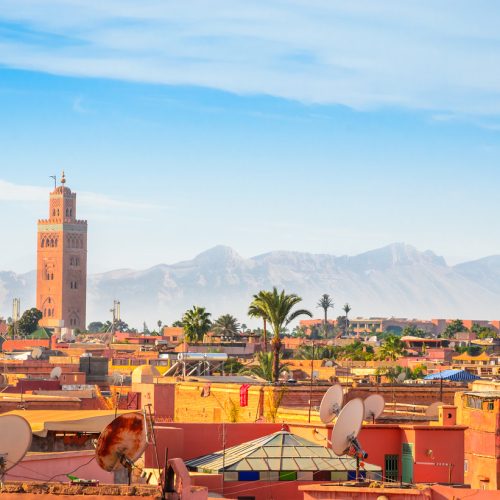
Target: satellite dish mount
[[346, 430]]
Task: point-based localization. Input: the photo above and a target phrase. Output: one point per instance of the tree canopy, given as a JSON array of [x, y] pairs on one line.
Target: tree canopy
[[392, 348], [28, 322], [453, 328], [226, 326], [196, 322], [277, 308]]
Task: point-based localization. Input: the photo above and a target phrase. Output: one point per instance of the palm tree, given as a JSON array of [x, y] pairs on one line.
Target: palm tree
[[226, 326], [255, 312], [276, 307], [392, 348], [325, 302], [311, 352], [347, 309], [196, 322], [265, 367]]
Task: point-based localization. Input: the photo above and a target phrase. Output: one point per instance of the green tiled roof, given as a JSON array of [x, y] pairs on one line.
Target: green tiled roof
[[281, 451], [39, 334]]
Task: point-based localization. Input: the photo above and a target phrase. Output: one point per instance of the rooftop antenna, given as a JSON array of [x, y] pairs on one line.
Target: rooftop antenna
[[346, 430], [122, 442], [15, 441], [374, 407], [331, 403], [56, 373]]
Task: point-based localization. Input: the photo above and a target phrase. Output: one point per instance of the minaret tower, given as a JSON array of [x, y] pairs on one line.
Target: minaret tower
[[62, 262]]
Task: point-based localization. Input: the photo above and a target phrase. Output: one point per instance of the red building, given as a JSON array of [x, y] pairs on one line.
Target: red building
[[62, 262]]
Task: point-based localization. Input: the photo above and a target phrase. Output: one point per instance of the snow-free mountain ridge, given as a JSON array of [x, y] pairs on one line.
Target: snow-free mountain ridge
[[396, 280]]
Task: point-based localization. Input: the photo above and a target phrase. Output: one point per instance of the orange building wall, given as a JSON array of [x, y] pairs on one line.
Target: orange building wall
[[62, 263]]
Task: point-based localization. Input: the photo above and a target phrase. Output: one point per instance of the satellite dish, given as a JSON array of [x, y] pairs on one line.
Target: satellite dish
[[433, 409], [15, 441], [56, 372], [122, 442], [374, 406], [347, 426], [401, 377], [331, 403], [36, 353], [118, 378], [3, 380], [329, 363]]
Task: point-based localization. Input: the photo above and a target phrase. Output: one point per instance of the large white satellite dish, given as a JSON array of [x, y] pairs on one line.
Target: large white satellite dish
[[374, 406], [56, 372], [401, 377], [433, 409], [346, 430], [15, 441], [331, 403]]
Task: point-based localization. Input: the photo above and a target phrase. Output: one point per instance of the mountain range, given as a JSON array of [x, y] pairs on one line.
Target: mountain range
[[396, 280]]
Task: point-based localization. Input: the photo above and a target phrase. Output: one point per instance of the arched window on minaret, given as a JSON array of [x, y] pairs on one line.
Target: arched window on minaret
[[42, 243]]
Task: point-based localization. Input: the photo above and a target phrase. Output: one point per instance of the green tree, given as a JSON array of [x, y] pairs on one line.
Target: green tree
[[265, 369], [28, 322], [277, 308], [95, 326], [414, 331], [325, 302], [311, 352], [453, 328], [232, 365], [226, 326], [178, 324], [483, 332], [392, 348], [120, 326], [196, 323], [255, 311], [347, 310]]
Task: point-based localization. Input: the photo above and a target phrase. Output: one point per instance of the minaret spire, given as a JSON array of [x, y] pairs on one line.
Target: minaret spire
[[63, 178]]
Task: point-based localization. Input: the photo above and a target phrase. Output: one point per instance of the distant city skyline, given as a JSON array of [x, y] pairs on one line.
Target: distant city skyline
[[321, 127]]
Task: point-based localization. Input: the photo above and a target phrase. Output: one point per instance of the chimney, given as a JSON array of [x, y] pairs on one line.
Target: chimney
[[447, 415]]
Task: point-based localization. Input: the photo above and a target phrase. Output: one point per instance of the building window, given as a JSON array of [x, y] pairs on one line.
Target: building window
[[490, 405], [391, 468], [466, 466], [474, 402]]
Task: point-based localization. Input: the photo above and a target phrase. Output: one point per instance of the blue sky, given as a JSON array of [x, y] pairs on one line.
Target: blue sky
[[315, 126]]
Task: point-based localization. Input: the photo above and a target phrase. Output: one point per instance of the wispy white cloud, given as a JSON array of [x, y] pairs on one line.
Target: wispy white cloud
[[10, 192], [363, 54]]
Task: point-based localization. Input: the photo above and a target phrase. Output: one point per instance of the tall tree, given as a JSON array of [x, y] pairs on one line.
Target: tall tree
[[325, 302], [196, 322], [453, 328], [256, 312], [28, 322], [392, 348], [264, 369], [226, 326], [277, 307], [347, 310]]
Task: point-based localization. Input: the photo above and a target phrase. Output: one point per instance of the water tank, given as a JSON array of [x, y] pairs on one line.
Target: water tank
[[202, 356]]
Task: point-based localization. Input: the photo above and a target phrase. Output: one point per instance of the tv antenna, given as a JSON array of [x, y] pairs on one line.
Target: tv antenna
[[122, 442], [433, 409], [15, 441], [346, 430], [331, 403], [56, 373], [374, 407]]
